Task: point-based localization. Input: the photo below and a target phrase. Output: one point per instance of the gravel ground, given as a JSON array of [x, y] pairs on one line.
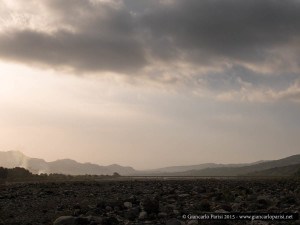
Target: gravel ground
[[145, 201]]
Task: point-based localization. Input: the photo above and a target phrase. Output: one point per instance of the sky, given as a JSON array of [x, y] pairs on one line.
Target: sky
[[150, 84]]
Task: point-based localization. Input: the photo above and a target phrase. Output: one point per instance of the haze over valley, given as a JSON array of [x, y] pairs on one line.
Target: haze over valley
[[150, 84], [167, 112], [290, 166]]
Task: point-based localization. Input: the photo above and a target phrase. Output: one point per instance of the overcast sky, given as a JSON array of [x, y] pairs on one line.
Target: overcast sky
[[150, 83]]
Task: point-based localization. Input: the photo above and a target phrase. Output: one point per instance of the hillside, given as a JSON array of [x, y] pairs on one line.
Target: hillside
[[175, 169], [11, 159], [278, 171], [235, 171]]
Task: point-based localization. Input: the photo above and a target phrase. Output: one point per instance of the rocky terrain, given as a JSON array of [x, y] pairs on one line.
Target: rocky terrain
[[144, 201]]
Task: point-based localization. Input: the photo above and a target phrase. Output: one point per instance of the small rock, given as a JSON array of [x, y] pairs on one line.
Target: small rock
[[257, 222], [238, 199], [162, 215], [176, 212], [143, 215], [114, 202], [237, 207], [110, 221], [83, 220], [201, 189], [128, 204], [150, 205], [183, 195], [221, 211], [108, 208], [132, 213], [77, 212], [95, 219], [77, 206], [204, 205], [173, 222], [101, 204], [65, 220], [192, 222], [263, 202], [60, 208], [171, 206], [227, 208]]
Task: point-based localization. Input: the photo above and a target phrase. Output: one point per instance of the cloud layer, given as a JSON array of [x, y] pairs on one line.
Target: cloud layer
[[82, 37], [165, 40], [253, 34]]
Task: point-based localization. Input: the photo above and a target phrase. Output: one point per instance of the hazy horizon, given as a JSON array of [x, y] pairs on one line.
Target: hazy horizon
[[150, 84], [154, 168]]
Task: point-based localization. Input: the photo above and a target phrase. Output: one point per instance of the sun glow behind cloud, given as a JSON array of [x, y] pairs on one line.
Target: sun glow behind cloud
[[117, 80], [53, 115], [45, 111]]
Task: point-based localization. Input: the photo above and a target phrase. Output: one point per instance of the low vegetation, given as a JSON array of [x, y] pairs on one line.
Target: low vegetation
[[21, 174], [298, 173]]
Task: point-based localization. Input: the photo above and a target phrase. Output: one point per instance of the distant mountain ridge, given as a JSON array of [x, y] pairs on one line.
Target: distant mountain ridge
[[244, 170], [11, 159], [281, 167], [290, 170], [174, 169]]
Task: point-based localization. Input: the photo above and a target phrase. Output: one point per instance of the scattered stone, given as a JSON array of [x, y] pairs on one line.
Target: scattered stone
[[176, 212], [143, 215], [132, 213], [204, 206], [128, 204], [101, 204], [227, 208], [183, 195], [150, 205], [65, 220], [263, 202], [236, 207], [238, 199], [110, 221], [192, 222], [173, 222], [77, 212], [108, 208], [162, 215], [70, 220], [141, 202], [257, 222], [221, 211]]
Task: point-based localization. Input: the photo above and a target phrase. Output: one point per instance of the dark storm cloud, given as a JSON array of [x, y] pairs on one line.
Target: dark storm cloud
[[80, 52], [100, 38], [126, 36], [232, 29]]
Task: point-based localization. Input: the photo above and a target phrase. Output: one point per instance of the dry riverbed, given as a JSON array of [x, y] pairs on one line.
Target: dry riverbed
[[145, 201]]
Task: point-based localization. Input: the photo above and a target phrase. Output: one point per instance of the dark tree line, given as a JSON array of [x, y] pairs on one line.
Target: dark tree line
[[21, 173], [298, 173], [17, 172]]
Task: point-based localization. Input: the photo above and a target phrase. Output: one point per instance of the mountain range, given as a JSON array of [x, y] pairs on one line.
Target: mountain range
[[11, 159], [281, 167], [176, 169], [258, 168]]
